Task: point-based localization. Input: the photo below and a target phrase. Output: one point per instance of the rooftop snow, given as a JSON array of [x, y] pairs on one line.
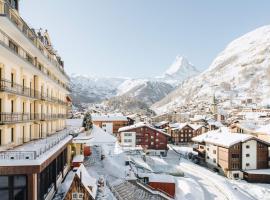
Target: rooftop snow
[[35, 152], [139, 125], [222, 137], [110, 117], [162, 178]]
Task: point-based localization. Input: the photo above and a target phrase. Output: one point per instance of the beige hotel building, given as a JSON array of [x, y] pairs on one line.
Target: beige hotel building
[[34, 103]]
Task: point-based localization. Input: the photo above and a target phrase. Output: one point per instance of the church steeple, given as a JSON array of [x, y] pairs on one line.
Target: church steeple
[[214, 104]]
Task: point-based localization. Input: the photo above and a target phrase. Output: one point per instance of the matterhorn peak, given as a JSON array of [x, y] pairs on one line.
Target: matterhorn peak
[[181, 69], [179, 64]]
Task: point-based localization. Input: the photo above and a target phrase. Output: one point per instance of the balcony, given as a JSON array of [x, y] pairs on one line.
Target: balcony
[[11, 118], [16, 49], [14, 88], [7, 11], [33, 150]]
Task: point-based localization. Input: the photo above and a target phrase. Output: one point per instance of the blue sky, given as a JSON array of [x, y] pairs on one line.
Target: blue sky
[[141, 38]]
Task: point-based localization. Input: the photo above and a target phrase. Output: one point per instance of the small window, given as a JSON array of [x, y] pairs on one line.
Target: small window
[[247, 155], [207, 157], [236, 175], [247, 164], [214, 151], [247, 146]]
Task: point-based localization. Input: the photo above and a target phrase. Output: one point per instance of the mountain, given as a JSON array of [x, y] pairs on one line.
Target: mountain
[[144, 90], [240, 71], [180, 70], [91, 89]]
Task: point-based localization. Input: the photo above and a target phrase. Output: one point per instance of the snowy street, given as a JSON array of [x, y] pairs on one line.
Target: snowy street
[[214, 186]]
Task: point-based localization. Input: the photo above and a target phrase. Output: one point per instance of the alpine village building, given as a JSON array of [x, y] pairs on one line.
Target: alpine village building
[[151, 139], [34, 103], [236, 155]]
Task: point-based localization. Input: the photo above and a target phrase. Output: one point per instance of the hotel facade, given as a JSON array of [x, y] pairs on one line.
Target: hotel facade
[[34, 103]]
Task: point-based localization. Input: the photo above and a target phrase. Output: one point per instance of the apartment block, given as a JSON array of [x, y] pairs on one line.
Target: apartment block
[[236, 155]]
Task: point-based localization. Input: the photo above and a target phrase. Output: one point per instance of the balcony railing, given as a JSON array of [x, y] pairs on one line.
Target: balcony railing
[[8, 118], [8, 11], [7, 42], [13, 117], [15, 88], [9, 86], [34, 149]]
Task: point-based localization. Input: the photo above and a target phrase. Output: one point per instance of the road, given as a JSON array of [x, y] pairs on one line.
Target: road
[[214, 186]]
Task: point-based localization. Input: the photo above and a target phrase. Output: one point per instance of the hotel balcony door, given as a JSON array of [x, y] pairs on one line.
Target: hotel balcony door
[[40, 130]]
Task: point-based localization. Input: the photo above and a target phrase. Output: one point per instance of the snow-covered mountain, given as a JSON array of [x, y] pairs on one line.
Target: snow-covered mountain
[[180, 70], [91, 89], [144, 90], [239, 72]]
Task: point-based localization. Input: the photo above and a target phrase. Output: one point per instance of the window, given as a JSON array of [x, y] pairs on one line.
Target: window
[[207, 157], [247, 146], [12, 135], [247, 155], [214, 151], [12, 106], [29, 58], [128, 134], [235, 155], [247, 164], [214, 160], [13, 46], [13, 187], [12, 79], [236, 175]]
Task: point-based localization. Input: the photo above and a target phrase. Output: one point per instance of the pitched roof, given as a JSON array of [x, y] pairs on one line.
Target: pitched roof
[[109, 117], [140, 125], [222, 137]]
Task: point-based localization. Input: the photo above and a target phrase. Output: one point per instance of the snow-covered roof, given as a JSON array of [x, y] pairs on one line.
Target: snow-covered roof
[[74, 122], [36, 152], [161, 123], [99, 136], [222, 137], [178, 126], [78, 158], [258, 171], [195, 126], [140, 125], [162, 178], [215, 123], [109, 117], [87, 180]]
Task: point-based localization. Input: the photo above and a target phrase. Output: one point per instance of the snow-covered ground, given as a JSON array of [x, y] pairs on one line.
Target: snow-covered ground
[[215, 186]]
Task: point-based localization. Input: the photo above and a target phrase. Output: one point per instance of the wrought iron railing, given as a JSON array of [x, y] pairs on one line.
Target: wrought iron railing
[[13, 117], [15, 88], [8, 118]]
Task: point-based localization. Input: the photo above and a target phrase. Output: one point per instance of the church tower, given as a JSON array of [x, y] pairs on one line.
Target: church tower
[[214, 105]]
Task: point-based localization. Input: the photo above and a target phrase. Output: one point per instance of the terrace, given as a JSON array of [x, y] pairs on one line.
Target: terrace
[[38, 150]]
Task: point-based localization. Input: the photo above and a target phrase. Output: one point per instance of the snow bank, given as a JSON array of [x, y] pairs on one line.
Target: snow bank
[[188, 189]]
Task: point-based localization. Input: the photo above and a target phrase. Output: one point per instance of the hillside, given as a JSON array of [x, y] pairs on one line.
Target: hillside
[[240, 71]]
